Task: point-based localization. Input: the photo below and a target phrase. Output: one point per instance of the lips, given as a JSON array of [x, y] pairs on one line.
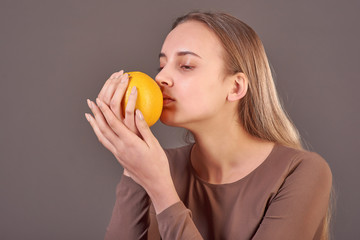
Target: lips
[[167, 99]]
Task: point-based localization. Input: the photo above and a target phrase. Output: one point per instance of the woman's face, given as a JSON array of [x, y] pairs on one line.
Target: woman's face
[[192, 76]]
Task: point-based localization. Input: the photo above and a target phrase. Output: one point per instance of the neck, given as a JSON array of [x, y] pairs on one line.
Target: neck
[[226, 153]]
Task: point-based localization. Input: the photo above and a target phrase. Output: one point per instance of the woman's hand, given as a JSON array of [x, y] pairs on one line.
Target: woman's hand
[[130, 140], [112, 93]]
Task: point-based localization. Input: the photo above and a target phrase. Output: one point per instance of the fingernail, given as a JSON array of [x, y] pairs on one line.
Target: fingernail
[[89, 103], [139, 114], [98, 102], [133, 90], [124, 78], [87, 117]]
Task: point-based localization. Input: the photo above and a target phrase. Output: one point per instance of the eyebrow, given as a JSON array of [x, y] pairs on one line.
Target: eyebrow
[[181, 53]]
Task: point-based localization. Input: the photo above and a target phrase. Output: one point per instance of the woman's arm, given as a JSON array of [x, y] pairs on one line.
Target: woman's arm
[[131, 141], [135, 147], [176, 223], [142, 156], [130, 217]]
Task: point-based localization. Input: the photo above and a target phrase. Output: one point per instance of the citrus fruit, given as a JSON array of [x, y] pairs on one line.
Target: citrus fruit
[[149, 99]]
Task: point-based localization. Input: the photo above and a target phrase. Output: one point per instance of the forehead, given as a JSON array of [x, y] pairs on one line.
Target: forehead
[[193, 36]]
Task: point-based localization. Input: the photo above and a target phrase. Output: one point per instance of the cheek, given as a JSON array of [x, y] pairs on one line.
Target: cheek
[[202, 102], [203, 92]]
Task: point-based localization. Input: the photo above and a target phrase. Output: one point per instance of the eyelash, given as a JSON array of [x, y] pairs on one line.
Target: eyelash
[[183, 67], [186, 67]]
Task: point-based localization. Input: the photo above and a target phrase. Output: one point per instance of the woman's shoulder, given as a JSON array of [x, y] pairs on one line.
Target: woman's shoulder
[[301, 161], [300, 156]]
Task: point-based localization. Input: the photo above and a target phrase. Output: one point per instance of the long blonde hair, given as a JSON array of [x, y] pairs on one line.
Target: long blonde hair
[[260, 111]]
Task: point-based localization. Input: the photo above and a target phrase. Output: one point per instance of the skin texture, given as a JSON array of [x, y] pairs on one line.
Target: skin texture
[[197, 96]]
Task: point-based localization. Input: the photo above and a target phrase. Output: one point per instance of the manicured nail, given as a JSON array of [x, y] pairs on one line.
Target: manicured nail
[[133, 90], [89, 103], [124, 78], [87, 117], [98, 102], [139, 114]]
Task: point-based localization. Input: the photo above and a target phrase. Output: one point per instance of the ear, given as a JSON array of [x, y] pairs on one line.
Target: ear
[[240, 84]]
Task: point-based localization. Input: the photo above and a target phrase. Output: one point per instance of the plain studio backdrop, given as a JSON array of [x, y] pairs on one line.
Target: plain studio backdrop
[[58, 182]]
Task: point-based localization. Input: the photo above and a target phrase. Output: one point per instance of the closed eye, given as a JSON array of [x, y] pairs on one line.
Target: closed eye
[[186, 67]]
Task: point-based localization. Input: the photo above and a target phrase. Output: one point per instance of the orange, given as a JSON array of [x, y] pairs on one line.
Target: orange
[[149, 99]]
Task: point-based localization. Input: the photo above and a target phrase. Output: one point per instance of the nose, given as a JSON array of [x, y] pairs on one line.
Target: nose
[[163, 79]]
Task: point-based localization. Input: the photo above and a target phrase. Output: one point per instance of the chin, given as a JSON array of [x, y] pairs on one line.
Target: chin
[[167, 121], [170, 120]]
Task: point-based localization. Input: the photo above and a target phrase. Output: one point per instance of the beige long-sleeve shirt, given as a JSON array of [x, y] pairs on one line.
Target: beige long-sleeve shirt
[[284, 198]]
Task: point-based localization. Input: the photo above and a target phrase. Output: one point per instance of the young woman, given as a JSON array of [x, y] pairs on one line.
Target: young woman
[[246, 175]]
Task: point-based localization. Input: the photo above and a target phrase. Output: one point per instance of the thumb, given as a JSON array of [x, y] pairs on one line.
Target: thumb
[[143, 128]]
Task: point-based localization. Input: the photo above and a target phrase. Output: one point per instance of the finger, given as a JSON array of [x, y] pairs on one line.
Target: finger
[[102, 123], [103, 140], [143, 128], [109, 92], [112, 126], [101, 93], [129, 110], [108, 89], [115, 103], [106, 85]]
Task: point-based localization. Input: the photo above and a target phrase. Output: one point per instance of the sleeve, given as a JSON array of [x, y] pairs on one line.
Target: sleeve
[[175, 223], [299, 208], [130, 216]]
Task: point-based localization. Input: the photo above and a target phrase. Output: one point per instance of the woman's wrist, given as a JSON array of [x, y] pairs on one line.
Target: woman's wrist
[[163, 196]]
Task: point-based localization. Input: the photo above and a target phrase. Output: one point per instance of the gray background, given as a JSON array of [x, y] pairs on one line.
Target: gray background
[[58, 182]]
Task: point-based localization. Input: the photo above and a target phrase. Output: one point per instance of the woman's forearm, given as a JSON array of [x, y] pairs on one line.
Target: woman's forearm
[[130, 217]]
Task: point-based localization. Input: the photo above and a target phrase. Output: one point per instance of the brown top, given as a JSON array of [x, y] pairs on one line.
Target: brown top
[[286, 197]]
